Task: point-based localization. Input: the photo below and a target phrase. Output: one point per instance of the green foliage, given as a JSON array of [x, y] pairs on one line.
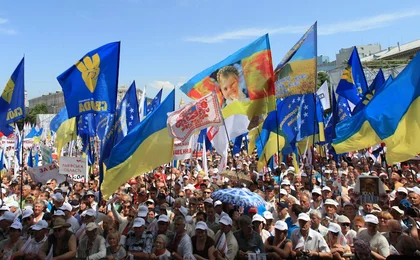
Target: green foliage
[[30, 115], [322, 77]]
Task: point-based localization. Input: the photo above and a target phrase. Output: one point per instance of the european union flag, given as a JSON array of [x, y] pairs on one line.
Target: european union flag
[[353, 84], [59, 119], [377, 84], [12, 101], [340, 112], [102, 124], [129, 110], [85, 125], [150, 105], [90, 86]]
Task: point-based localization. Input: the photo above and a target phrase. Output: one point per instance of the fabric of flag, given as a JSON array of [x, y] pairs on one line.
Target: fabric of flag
[[6, 130], [340, 112], [18, 144], [90, 86], [65, 133], [12, 101], [129, 110], [238, 143], [59, 119], [202, 137], [391, 117], [377, 84], [30, 159], [151, 104], [353, 84], [297, 72], [102, 124], [85, 125], [243, 81], [142, 107], [143, 149], [2, 160], [324, 96], [35, 132]]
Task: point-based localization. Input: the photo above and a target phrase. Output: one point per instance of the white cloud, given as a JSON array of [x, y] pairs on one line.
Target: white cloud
[[357, 25], [3, 20], [161, 84], [7, 31]]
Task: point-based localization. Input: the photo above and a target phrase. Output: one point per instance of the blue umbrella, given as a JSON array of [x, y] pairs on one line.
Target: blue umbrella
[[238, 197]]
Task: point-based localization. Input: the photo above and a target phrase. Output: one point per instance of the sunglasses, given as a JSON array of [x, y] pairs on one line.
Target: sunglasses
[[334, 234], [345, 224]]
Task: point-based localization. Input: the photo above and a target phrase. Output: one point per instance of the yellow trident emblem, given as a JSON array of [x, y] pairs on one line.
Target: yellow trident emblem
[[8, 91], [89, 68]]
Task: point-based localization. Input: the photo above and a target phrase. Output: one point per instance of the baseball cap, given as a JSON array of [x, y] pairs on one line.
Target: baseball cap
[[9, 216], [382, 174], [280, 225], [402, 189], [283, 192], [66, 207], [57, 197], [138, 222], [226, 220], [16, 225], [91, 213], [59, 213], [268, 215], [27, 213], [163, 218], [91, 226], [285, 182], [4, 208], [283, 204], [335, 228], [317, 191], [304, 216], [331, 202], [343, 219], [201, 225], [150, 201], [326, 188], [184, 211], [348, 204], [397, 209], [258, 217], [143, 210], [369, 218], [217, 203], [405, 203], [208, 200], [42, 224], [252, 210]]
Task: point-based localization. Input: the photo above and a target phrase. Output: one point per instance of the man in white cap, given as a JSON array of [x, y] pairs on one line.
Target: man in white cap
[[331, 206], [92, 246], [307, 241], [414, 197], [32, 247], [316, 218], [67, 209], [345, 225], [5, 221], [316, 202], [139, 241], [371, 235], [226, 246]]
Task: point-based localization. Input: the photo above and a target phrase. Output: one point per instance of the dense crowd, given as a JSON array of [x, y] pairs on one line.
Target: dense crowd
[[309, 213]]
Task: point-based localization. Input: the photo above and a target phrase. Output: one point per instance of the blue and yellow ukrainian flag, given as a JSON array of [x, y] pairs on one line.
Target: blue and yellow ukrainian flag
[[376, 85], [12, 101], [391, 117], [147, 146], [65, 133], [353, 84], [90, 85]]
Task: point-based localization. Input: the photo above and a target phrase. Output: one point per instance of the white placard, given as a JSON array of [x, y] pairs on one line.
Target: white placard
[[73, 166], [44, 173]]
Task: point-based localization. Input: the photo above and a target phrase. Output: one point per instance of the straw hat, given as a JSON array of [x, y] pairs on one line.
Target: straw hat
[[60, 223]]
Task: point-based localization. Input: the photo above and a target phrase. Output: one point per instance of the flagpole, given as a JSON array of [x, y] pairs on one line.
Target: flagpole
[[259, 137], [21, 172]]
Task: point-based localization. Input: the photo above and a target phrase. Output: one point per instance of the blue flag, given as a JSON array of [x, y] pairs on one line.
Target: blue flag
[[377, 84], [12, 101], [59, 119], [101, 125], [202, 137], [86, 125], [91, 84], [353, 84], [36, 158], [2, 160], [129, 110], [30, 159], [238, 143], [150, 105], [340, 111], [34, 133]]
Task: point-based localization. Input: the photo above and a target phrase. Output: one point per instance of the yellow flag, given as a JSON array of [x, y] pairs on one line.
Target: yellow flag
[[65, 133]]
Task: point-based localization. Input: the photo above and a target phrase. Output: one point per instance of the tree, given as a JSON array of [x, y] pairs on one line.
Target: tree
[[322, 77], [32, 113]]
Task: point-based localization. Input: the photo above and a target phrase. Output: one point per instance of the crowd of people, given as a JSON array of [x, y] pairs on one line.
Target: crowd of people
[[310, 213]]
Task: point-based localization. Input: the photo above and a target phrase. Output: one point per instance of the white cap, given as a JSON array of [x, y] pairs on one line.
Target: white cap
[[348, 204], [343, 219], [326, 188], [91, 226], [189, 187], [416, 190], [217, 203], [42, 224], [317, 191], [382, 174], [163, 218], [13, 203], [281, 225], [335, 228], [57, 197], [268, 215], [369, 218], [304, 216], [138, 222], [4, 208], [16, 225], [201, 225], [91, 213], [402, 189], [331, 202], [226, 220], [184, 211], [303, 174], [258, 217], [397, 209], [59, 213], [285, 182], [27, 213], [66, 207], [143, 210], [151, 201], [206, 178], [208, 200], [283, 192], [9, 216]]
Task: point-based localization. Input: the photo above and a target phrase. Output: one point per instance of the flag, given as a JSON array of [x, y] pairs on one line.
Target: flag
[[30, 159], [194, 117], [202, 137], [102, 124], [340, 112], [141, 104], [243, 81], [377, 84], [12, 101], [65, 133], [37, 159], [85, 125], [2, 160], [59, 119], [129, 111], [390, 117], [324, 96], [18, 143], [297, 72], [35, 132], [151, 104], [238, 143], [353, 84], [91, 84], [145, 148]]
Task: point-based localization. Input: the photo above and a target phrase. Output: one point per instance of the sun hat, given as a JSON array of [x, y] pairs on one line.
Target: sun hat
[[60, 223]]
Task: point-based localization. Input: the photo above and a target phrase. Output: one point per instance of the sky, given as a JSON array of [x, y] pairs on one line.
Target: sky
[[164, 43]]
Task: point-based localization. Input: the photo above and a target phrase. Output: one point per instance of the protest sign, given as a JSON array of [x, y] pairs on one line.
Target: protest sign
[[44, 173], [183, 150], [46, 154], [76, 168], [369, 188]]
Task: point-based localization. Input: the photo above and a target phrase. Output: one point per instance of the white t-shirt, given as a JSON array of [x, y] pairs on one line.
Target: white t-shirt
[[378, 242]]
